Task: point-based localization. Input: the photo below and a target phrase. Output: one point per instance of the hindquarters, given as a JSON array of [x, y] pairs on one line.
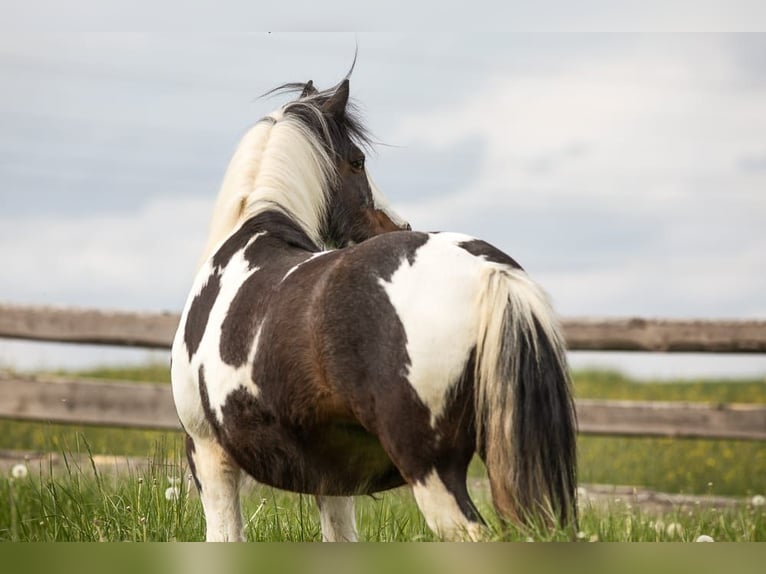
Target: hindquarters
[[443, 334], [401, 326]]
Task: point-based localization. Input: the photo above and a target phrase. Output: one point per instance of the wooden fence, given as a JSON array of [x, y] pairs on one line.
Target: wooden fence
[[150, 406]]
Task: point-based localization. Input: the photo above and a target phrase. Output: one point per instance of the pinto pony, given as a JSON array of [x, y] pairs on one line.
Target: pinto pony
[[319, 354]]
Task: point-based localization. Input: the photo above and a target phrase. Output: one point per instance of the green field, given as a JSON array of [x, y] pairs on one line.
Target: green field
[[83, 503]]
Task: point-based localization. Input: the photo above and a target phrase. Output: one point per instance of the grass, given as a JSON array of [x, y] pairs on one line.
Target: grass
[[692, 466], [615, 386], [82, 503]]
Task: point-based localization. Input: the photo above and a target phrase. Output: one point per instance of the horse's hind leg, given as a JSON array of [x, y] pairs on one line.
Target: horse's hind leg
[[434, 461], [218, 480], [444, 501], [432, 453], [336, 515]]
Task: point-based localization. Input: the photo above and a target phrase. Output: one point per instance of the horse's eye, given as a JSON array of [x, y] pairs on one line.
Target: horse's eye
[[358, 164]]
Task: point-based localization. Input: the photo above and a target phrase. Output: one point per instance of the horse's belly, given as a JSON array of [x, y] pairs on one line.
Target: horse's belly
[[337, 460]]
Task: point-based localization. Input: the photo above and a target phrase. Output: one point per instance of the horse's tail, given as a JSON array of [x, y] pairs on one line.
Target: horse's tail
[[525, 416]]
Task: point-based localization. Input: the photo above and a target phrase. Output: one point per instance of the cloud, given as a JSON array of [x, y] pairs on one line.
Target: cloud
[[618, 180], [133, 260]]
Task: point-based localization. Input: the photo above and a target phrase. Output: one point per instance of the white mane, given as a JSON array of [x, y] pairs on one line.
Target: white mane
[[279, 164]]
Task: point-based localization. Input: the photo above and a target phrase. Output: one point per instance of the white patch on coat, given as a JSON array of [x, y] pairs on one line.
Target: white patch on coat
[[441, 510], [436, 299], [183, 378], [221, 379]]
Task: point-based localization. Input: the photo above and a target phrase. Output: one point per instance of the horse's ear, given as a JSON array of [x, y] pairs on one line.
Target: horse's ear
[[309, 90], [336, 105]]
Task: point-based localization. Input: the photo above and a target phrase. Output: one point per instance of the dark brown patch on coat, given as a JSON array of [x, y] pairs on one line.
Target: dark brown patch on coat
[[489, 252], [199, 313], [332, 458], [288, 235], [274, 254], [300, 433], [364, 343], [457, 428], [388, 252]]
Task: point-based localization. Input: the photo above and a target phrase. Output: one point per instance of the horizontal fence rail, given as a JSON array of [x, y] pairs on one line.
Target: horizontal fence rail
[[672, 419], [87, 402], [93, 326], [150, 406], [156, 330]]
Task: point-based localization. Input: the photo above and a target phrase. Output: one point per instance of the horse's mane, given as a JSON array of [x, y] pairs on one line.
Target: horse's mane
[[351, 121], [285, 161]]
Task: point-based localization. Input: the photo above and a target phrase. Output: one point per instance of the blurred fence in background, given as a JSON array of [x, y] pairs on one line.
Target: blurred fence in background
[[150, 405]]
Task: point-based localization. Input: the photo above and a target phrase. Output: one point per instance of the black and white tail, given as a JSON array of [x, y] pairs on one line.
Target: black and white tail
[[525, 416]]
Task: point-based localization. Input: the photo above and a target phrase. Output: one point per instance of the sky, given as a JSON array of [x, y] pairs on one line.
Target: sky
[[625, 172]]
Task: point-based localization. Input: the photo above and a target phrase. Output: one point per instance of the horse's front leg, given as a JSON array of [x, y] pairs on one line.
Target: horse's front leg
[[336, 515], [218, 480]]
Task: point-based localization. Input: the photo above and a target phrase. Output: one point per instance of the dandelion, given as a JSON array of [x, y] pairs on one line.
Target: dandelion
[[174, 480], [19, 471], [704, 538], [674, 529], [758, 500], [582, 535], [172, 493]]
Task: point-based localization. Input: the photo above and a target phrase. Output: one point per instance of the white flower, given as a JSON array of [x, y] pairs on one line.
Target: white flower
[[674, 529], [704, 538], [758, 500], [172, 493], [174, 480], [19, 471]]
